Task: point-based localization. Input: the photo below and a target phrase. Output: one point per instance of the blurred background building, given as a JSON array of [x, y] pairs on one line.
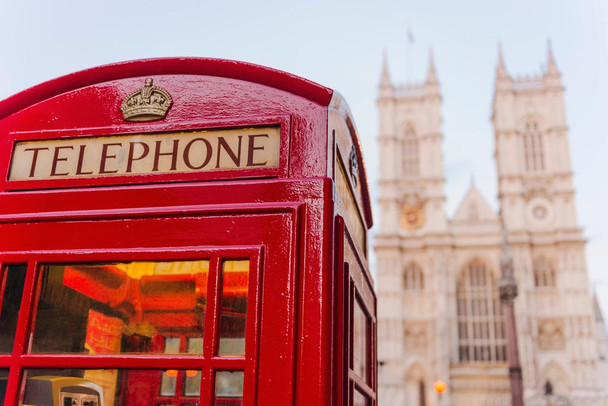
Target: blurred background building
[[439, 312]]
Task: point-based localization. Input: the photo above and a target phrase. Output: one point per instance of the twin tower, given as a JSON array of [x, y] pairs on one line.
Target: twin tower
[[439, 312]]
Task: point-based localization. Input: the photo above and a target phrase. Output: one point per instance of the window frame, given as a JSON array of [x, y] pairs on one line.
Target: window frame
[[480, 325], [533, 147], [413, 277], [22, 359], [545, 276], [410, 152]]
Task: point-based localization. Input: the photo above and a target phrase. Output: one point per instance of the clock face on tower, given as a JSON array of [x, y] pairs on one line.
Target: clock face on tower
[[539, 212], [412, 218]]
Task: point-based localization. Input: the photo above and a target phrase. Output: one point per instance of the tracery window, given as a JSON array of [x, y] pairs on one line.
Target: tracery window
[[544, 274], [413, 277], [533, 147], [481, 336], [409, 153]]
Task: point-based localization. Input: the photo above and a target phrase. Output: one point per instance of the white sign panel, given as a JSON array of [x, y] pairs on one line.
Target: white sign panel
[[143, 154]]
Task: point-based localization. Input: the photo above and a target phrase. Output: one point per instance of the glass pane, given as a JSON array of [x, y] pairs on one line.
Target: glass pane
[[172, 345], [360, 341], [233, 309], [195, 345], [107, 387], [3, 382], [360, 399], [192, 385], [11, 291], [229, 387], [168, 383], [119, 307]]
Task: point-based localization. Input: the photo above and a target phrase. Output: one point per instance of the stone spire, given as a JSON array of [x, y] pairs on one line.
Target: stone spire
[[551, 65], [431, 75], [432, 84], [386, 87], [385, 79], [503, 80], [501, 69]]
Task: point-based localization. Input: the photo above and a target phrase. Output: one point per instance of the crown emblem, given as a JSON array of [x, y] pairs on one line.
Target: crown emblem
[[146, 104]]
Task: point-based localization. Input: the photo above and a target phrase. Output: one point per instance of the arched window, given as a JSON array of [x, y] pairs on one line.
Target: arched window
[[413, 278], [533, 147], [556, 380], [415, 389], [481, 336], [409, 152], [421, 394], [544, 275]]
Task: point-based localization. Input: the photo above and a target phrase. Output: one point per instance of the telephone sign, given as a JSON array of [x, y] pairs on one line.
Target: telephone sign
[[146, 154]]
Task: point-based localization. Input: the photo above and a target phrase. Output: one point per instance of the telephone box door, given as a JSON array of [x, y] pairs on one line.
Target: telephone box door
[[156, 309]]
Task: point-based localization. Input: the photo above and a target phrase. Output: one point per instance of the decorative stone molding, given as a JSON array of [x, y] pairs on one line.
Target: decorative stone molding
[[537, 187], [415, 336], [551, 336]]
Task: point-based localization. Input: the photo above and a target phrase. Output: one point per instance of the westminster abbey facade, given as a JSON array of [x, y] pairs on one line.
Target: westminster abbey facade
[[439, 314]]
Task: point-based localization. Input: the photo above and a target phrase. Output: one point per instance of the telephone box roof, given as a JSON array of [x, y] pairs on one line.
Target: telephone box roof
[[168, 66], [220, 68]]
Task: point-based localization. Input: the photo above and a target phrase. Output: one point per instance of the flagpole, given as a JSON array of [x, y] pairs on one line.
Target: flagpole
[[410, 41]]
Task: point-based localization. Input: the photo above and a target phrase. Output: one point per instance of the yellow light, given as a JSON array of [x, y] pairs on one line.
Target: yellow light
[[440, 387], [191, 373], [171, 372]]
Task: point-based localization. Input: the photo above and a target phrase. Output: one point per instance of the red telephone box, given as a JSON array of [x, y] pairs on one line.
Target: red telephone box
[[184, 232]]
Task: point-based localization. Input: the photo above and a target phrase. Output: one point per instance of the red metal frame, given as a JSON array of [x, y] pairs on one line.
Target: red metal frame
[[287, 218]]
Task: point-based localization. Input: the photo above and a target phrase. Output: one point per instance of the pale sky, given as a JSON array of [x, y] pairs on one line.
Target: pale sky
[[339, 44]]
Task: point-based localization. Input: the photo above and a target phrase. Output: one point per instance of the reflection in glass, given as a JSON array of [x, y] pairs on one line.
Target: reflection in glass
[[229, 386], [62, 387], [101, 387], [11, 291], [360, 341], [233, 308], [119, 307]]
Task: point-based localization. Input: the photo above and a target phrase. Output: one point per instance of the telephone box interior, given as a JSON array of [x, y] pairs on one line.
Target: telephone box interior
[[183, 232]]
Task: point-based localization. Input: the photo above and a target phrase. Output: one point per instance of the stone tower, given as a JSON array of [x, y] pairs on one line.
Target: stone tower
[[536, 193], [439, 315], [413, 239]]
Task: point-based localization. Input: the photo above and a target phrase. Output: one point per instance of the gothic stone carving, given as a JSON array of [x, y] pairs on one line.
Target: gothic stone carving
[[415, 336], [550, 336]]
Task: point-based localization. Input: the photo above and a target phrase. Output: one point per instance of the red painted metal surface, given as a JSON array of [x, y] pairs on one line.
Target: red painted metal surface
[[169, 66], [285, 220]]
